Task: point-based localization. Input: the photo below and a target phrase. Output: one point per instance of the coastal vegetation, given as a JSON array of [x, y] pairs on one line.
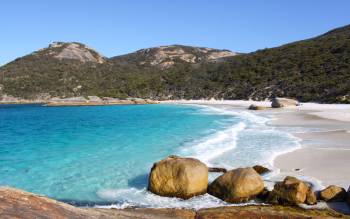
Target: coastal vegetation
[[316, 69]]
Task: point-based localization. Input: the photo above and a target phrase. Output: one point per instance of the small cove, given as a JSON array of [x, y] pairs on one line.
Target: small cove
[[102, 155]]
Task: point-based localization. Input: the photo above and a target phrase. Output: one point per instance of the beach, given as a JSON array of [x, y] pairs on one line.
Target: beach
[[325, 154], [324, 133], [323, 130], [309, 142]]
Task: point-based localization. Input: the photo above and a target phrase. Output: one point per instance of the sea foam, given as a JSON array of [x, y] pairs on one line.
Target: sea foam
[[248, 140], [215, 145]]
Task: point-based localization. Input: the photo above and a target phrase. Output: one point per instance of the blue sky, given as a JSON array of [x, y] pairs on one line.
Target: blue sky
[[117, 27]]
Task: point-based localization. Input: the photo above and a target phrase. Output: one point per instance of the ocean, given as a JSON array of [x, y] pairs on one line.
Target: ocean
[[101, 155]]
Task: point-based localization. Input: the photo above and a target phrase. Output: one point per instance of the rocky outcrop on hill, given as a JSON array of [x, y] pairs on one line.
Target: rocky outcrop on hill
[[73, 50], [315, 69], [238, 185], [166, 56], [178, 177]]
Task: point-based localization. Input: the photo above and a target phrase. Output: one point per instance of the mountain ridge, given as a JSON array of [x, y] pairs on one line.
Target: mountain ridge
[[314, 69], [166, 56]]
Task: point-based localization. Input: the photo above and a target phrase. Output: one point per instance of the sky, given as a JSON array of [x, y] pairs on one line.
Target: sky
[[115, 27]]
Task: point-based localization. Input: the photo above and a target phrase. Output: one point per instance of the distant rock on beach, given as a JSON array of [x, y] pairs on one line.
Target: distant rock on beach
[[283, 102], [256, 107]]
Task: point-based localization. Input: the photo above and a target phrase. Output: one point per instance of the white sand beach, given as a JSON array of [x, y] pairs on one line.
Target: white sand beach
[[324, 130]]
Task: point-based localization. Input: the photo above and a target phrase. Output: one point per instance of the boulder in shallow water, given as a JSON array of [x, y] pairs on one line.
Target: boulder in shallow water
[[291, 191], [333, 194], [217, 169], [261, 169], [283, 102], [238, 185], [178, 177], [311, 198], [263, 194]]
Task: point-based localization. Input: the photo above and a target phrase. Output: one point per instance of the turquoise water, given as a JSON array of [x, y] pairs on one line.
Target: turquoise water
[[102, 155]]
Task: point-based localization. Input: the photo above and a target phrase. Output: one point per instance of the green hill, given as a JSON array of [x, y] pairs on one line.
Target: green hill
[[316, 69]]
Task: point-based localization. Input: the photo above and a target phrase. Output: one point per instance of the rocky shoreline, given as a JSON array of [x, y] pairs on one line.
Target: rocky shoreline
[[185, 178], [79, 101], [283, 201], [188, 177], [16, 203]]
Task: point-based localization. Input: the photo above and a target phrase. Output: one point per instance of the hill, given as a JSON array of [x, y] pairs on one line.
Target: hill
[[165, 57], [316, 69]]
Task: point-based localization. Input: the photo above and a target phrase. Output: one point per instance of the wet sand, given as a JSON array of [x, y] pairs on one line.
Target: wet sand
[[325, 153]]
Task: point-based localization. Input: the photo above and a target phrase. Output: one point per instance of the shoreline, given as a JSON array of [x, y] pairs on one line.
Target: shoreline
[[295, 117], [331, 120], [82, 103], [326, 136], [323, 130], [18, 203], [324, 153]]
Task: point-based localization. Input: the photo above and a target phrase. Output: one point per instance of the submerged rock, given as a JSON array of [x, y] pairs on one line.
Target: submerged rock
[[283, 102], [217, 169], [261, 169], [178, 177], [238, 185], [333, 194], [290, 191]]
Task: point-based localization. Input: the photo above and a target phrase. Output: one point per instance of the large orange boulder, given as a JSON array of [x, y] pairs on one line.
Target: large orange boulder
[[283, 102], [238, 185], [333, 194], [178, 177], [290, 191]]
